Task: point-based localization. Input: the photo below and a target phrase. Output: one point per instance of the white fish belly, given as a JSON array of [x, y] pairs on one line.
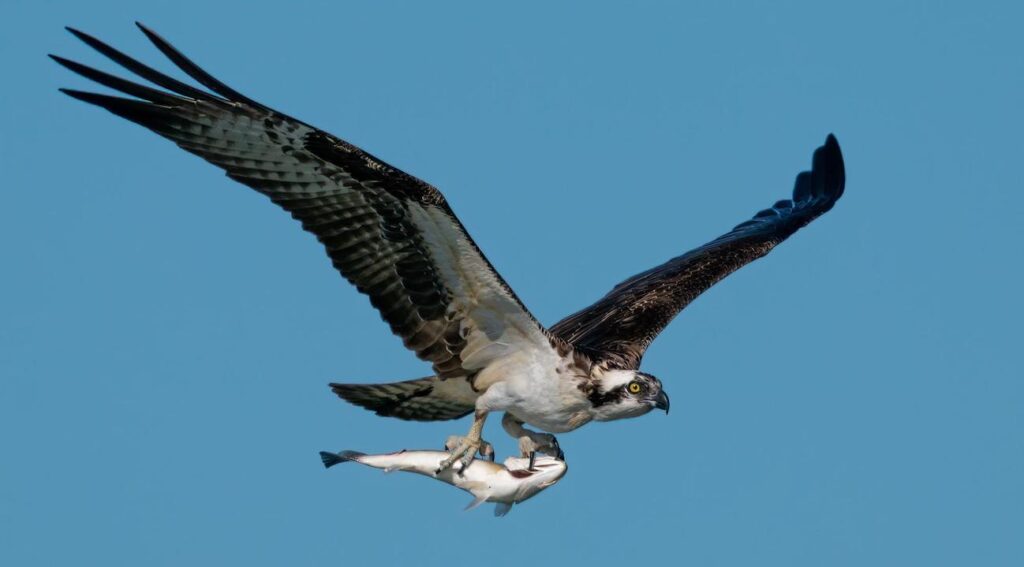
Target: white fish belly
[[484, 479]]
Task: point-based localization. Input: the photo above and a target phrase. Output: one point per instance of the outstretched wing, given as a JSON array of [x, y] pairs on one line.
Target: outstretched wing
[[621, 325], [390, 234]]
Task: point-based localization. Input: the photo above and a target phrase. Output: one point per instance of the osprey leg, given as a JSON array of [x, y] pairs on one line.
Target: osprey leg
[[530, 442], [465, 448]]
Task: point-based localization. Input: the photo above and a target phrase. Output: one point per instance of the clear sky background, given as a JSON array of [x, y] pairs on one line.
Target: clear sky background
[[855, 398]]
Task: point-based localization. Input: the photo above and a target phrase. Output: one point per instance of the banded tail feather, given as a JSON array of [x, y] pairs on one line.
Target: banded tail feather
[[422, 399]]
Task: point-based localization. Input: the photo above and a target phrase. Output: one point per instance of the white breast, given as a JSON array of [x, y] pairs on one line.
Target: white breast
[[537, 389]]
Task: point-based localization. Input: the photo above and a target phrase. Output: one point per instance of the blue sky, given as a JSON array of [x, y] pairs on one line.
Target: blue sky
[[166, 335]]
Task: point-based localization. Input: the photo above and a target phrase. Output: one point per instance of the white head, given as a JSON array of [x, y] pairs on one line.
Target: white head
[[617, 394]]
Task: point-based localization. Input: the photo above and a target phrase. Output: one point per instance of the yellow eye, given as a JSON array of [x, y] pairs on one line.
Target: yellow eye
[[634, 387]]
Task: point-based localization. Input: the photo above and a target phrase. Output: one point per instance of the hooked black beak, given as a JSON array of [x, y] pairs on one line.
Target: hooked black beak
[[661, 402]]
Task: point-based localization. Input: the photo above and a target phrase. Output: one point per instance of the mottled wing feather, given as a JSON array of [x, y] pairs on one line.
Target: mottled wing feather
[[424, 399], [390, 234], [619, 327]]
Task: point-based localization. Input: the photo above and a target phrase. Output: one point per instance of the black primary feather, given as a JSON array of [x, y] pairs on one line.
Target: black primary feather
[[619, 327]]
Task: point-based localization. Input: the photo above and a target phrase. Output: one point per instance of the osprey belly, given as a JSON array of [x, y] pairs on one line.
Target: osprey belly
[[560, 422], [545, 399]]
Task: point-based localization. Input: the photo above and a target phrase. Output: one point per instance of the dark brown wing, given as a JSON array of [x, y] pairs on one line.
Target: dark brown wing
[[390, 234], [621, 325]]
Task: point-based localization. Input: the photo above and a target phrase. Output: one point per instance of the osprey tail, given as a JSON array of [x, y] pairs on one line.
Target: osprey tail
[[423, 399]]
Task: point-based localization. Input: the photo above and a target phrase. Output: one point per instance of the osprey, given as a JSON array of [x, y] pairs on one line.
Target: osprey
[[398, 241]]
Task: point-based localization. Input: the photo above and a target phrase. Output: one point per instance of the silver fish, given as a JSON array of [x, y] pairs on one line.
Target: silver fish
[[505, 485]]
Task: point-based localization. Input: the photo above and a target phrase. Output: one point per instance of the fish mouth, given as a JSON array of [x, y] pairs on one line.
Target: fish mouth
[[545, 473], [551, 481], [563, 468]]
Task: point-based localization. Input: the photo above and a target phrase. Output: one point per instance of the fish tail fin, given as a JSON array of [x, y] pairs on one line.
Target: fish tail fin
[[424, 399], [502, 508], [331, 459]]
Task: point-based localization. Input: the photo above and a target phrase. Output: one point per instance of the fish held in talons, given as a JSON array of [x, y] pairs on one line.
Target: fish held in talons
[[507, 484]]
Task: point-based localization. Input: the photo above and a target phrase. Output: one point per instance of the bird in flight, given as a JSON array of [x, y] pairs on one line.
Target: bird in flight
[[396, 239]]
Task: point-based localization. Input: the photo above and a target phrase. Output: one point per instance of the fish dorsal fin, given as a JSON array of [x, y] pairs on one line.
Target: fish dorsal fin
[[502, 508]]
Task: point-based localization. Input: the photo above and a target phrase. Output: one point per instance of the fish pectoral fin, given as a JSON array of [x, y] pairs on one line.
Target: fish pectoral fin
[[502, 508], [476, 502], [481, 493]]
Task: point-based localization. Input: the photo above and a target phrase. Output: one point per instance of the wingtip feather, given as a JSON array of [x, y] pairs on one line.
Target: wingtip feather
[[152, 35], [195, 71], [88, 39], [828, 163], [77, 94]]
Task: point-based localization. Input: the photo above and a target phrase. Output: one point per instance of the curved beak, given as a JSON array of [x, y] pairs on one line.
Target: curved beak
[[661, 402]]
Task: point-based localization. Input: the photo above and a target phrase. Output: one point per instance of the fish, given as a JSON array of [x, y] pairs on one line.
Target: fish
[[505, 485]]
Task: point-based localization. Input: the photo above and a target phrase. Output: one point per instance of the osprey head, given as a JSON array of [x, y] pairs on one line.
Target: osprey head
[[626, 393]]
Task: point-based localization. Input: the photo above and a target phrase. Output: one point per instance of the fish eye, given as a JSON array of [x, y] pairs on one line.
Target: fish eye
[[634, 387]]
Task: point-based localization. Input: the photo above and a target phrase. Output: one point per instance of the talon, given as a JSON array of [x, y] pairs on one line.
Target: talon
[[486, 450], [560, 453], [466, 460], [452, 442], [533, 458], [447, 463], [463, 450], [544, 443]]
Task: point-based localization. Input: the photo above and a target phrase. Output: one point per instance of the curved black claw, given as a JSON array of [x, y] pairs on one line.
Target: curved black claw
[[486, 450], [533, 459]]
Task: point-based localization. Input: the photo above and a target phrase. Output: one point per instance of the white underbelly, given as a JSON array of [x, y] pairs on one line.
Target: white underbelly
[[536, 393], [559, 422]]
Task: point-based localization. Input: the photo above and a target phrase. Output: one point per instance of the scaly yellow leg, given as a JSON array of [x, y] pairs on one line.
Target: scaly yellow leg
[[464, 449]]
